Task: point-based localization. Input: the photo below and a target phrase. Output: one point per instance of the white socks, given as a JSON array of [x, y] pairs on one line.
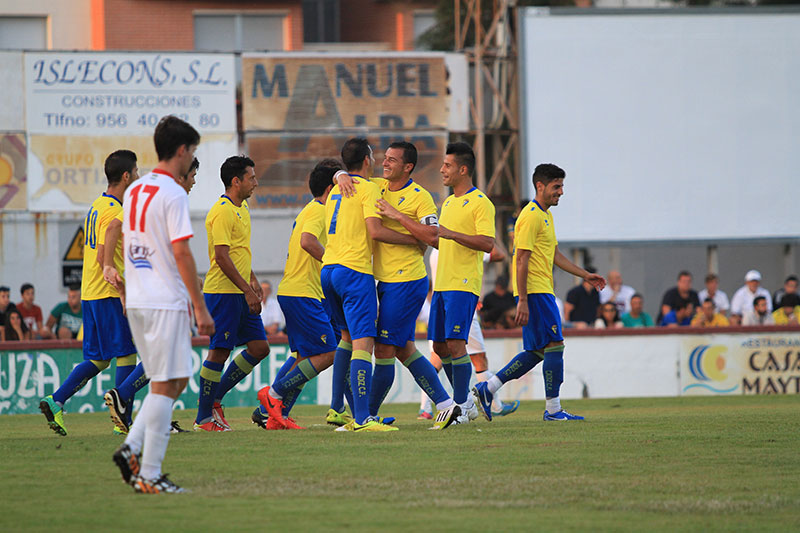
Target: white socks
[[156, 436], [135, 438], [494, 384], [553, 405], [441, 406], [486, 375]]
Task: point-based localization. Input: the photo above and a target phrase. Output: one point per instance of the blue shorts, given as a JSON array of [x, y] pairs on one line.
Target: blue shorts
[[234, 324], [451, 315], [106, 333], [544, 322], [351, 297], [337, 329], [399, 308], [307, 325]]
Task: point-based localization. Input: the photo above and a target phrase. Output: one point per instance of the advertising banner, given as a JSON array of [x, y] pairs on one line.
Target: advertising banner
[[81, 106], [322, 92], [741, 364], [284, 161], [13, 172], [28, 376]]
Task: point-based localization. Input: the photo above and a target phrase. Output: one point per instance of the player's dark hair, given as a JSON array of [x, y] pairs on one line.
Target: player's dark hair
[[234, 167], [117, 164], [547, 172], [684, 273], [74, 287], [758, 299], [172, 133], [25, 287], [194, 166], [353, 153], [409, 152], [463, 154], [322, 176]]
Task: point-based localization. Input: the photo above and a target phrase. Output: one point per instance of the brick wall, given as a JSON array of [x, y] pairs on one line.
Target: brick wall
[[381, 21]]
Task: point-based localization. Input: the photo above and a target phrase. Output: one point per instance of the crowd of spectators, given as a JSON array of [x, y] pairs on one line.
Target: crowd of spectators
[[621, 306]]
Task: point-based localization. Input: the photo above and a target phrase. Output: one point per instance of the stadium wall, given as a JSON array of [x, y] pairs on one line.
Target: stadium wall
[[611, 364]]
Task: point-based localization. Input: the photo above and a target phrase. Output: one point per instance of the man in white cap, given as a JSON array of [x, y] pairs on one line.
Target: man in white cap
[[742, 301]]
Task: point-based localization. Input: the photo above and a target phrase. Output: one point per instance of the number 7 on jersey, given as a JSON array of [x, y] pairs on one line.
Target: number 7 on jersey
[[150, 191]]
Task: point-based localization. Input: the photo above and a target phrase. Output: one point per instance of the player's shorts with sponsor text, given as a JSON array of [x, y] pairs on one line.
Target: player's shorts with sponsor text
[[234, 324], [106, 333], [307, 325], [451, 315], [352, 300], [164, 338], [544, 322], [398, 309]]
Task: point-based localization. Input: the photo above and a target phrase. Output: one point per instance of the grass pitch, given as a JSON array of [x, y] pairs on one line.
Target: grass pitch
[[702, 463]]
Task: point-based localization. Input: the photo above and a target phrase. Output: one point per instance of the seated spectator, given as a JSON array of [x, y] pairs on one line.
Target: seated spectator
[[6, 305], [15, 328], [637, 318], [788, 312], [759, 315], [744, 298], [499, 306], [582, 303], [682, 292], [271, 314], [66, 318], [31, 313], [789, 287], [617, 293], [609, 317], [708, 317], [721, 302], [681, 315]]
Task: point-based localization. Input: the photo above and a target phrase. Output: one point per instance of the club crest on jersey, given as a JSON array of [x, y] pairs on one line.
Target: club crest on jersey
[[466, 201], [138, 255], [401, 200]]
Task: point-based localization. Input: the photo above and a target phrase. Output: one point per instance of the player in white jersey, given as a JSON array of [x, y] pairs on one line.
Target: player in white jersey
[[161, 280], [476, 349]]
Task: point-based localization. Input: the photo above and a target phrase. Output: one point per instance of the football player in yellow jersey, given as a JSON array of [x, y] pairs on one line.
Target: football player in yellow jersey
[[466, 232], [232, 293], [406, 207], [106, 333], [308, 324], [536, 251], [119, 400]]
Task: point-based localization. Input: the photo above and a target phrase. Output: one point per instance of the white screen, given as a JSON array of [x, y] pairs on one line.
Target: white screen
[[670, 127]]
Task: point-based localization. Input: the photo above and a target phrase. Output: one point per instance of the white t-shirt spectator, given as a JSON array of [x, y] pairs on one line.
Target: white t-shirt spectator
[[742, 301], [622, 299], [721, 301], [271, 313]]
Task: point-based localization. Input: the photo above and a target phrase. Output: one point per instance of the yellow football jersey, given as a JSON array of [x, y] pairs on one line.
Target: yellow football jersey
[[536, 232], [93, 287], [349, 243], [461, 268], [402, 262], [301, 273], [229, 225]]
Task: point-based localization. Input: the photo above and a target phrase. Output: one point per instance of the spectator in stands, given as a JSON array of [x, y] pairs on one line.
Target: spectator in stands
[[681, 315], [582, 303], [682, 292], [271, 314], [499, 306], [617, 293], [708, 317], [789, 287], [744, 298], [66, 318], [721, 302], [788, 312], [609, 317], [31, 313], [6, 305], [15, 328], [637, 317], [759, 315]]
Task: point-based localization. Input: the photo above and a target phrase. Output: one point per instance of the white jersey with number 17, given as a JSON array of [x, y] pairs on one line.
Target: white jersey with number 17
[[156, 214]]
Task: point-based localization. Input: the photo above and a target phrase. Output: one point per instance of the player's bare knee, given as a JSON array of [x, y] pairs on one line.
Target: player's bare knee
[[385, 351], [258, 349]]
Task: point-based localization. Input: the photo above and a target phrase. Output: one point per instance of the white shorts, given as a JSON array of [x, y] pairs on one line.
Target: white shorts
[[163, 338], [475, 342]]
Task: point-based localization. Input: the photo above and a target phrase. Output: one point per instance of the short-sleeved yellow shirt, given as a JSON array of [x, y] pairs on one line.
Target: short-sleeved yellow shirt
[[228, 225], [536, 232], [301, 273], [461, 268], [93, 287]]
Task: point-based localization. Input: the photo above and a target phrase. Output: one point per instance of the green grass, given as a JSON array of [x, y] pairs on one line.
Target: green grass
[[702, 463]]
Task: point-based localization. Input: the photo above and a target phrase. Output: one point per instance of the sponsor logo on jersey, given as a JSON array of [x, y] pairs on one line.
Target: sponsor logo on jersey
[[138, 255]]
